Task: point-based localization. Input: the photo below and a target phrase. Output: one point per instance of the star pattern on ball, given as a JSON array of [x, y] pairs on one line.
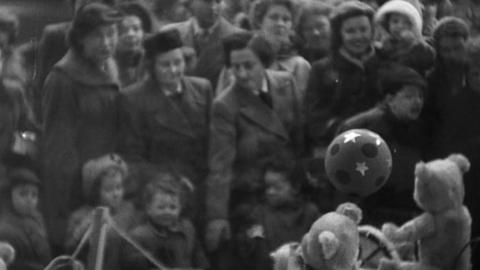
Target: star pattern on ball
[[361, 168], [351, 137]]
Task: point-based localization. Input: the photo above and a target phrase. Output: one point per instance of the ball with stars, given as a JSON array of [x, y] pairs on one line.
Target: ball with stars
[[358, 162]]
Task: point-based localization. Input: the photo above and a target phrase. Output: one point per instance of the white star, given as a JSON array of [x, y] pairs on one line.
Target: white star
[[361, 168], [351, 137]]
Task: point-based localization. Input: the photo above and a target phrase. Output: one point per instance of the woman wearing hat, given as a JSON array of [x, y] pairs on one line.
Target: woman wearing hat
[[344, 83], [166, 115], [136, 23], [80, 111], [21, 224]]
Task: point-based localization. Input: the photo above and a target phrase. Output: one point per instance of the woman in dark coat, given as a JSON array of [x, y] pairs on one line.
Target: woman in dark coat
[[344, 83], [166, 116], [80, 112]]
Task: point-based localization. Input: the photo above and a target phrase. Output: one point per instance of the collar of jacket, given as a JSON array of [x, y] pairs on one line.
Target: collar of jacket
[[80, 69], [342, 53]]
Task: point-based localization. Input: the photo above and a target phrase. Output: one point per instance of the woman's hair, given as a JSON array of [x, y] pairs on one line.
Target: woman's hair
[[343, 12], [260, 8], [246, 40], [131, 8], [311, 8], [88, 18], [9, 24]]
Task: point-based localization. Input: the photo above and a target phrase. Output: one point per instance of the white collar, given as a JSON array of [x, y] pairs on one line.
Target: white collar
[[178, 90], [264, 88]]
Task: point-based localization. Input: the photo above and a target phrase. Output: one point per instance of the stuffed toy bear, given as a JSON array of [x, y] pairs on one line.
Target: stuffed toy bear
[[7, 255], [331, 244], [444, 227]]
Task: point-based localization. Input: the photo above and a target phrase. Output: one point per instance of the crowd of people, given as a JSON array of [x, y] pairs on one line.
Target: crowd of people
[[202, 125]]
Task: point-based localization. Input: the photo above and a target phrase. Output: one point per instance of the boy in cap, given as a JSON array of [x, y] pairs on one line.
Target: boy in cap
[[21, 223], [397, 121]]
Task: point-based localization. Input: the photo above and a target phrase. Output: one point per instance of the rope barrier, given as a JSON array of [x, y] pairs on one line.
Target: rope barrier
[[65, 260]]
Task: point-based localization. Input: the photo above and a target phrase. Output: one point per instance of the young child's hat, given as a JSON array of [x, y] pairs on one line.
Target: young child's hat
[[94, 168], [401, 7]]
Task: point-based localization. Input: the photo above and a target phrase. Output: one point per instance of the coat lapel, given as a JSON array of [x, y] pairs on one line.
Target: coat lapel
[[167, 113], [260, 113]]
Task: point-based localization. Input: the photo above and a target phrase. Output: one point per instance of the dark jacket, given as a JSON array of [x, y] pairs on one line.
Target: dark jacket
[[175, 247], [337, 89], [159, 130], [28, 237], [280, 225], [210, 52], [81, 123], [244, 130], [407, 141], [130, 67], [52, 47]]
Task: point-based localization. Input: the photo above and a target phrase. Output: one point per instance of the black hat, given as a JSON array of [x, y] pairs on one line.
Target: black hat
[[394, 76], [20, 176], [89, 17], [161, 42], [450, 26]]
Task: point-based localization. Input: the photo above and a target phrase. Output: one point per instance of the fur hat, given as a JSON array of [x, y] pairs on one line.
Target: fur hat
[[450, 26], [394, 76], [94, 168], [402, 7], [162, 42]]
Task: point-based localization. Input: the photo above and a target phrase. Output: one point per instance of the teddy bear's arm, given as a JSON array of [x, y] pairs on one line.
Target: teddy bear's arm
[[416, 228]]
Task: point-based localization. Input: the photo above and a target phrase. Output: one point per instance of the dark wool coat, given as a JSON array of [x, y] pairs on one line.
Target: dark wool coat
[[407, 142], [210, 53], [28, 237], [337, 89], [244, 130], [52, 47], [167, 132], [175, 247], [81, 123]]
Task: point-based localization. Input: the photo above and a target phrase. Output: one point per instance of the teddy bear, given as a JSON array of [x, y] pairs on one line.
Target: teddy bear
[[444, 227], [332, 243], [7, 255]]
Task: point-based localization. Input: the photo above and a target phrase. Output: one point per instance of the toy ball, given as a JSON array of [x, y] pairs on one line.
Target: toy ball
[[358, 162]]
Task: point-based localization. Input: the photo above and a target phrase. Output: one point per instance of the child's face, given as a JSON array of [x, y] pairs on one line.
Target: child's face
[[398, 24], [316, 30], [164, 209], [452, 48], [279, 191], [111, 189], [357, 34], [25, 199], [407, 103]]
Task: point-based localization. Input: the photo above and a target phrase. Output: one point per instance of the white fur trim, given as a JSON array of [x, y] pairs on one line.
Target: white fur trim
[[402, 7]]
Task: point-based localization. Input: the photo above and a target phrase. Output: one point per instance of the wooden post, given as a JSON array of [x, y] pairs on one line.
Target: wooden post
[[98, 238]]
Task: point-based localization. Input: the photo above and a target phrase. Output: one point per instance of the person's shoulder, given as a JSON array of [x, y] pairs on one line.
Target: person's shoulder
[[59, 27], [322, 63], [136, 89], [364, 119], [180, 26]]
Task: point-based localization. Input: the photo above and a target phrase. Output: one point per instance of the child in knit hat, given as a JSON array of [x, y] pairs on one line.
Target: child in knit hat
[[103, 180], [166, 235], [400, 25], [397, 121], [21, 224]]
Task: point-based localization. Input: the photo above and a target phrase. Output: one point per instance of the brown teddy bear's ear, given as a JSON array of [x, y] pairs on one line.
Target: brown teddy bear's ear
[[329, 243], [462, 162], [421, 170]]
